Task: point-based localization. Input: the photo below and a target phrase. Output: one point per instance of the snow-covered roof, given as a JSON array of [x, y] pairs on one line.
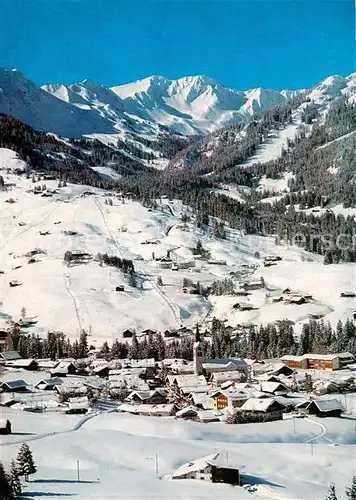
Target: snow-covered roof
[[325, 405], [195, 465], [256, 404], [14, 384]]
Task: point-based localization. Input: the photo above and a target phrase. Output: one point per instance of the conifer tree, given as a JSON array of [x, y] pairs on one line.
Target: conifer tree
[[25, 463], [5, 487], [331, 493], [351, 491], [14, 479]]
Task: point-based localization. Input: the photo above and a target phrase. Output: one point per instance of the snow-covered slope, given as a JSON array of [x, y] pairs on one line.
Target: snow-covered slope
[[25, 101], [86, 292]]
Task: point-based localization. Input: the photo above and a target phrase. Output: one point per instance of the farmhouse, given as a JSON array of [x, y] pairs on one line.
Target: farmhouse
[[209, 468], [63, 368], [243, 306], [26, 364], [13, 386], [270, 408], [78, 405], [48, 384], [322, 407], [158, 396], [253, 285]]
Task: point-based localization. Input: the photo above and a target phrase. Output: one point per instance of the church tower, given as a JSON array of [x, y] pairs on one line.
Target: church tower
[[198, 353]]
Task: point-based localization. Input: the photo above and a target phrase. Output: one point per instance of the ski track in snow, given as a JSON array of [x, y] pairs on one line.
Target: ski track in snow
[[172, 307]]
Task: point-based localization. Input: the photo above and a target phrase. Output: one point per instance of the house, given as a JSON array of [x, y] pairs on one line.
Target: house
[[48, 384], [63, 368], [348, 294], [225, 365], [209, 468], [243, 306], [9, 355], [5, 426], [269, 408], [78, 405], [218, 378], [26, 364], [253, 285], [228, 399], [127, 334], [153, 397], [120, 288], [14, 283], [321, 407], [160, 410], [187, 413], [13, 386], [272, 387]]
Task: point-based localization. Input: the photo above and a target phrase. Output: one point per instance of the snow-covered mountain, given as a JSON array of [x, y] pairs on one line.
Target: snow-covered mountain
[[146, 108], [25, 101]]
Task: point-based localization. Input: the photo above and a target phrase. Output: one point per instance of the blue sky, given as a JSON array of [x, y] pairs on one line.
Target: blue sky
[[240, 43]]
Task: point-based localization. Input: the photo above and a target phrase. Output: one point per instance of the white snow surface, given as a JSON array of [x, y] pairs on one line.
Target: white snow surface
[[118, 453], [83, 296]]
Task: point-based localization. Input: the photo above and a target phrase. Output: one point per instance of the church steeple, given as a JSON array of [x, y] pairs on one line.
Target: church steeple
[[197, 334]]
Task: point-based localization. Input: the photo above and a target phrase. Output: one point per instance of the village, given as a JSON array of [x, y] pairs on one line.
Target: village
[[231, 390]]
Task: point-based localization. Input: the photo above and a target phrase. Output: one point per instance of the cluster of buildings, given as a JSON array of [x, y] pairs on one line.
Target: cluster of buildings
[[203, 390]]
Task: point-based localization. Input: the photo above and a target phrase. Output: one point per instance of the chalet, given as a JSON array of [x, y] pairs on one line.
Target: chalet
[[14, 283], [165, 263], [321, 407], [270, 408], [63, 368], [120, 288], [5, 426], [218, 378], [243, 306], [225, 365], [209, 468], [348, 294], [47, 364], [26, 364], [153, 397], [207, 416], [272, 387], [160, 410], [9, 355], [228, 399], [48, 384], [13, 386], [201, 400], [78, 405], [253, 285], [127, 334], [187, 413]]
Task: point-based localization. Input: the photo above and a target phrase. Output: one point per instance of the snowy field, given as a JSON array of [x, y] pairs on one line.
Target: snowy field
[[83, 296], [117, 456]]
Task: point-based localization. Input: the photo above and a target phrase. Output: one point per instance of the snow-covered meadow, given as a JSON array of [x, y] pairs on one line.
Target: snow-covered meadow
[[118, 455]]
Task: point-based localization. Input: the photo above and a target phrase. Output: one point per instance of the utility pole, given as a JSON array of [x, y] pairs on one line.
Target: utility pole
[[156, 465], [227, 456], [312, 447], [78, 472]]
